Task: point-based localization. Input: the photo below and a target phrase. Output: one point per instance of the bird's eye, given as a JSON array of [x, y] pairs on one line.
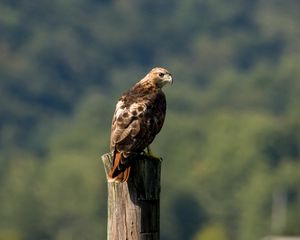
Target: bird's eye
[[161, 74]]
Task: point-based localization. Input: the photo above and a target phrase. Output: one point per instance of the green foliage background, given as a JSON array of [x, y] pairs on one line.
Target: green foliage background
[[231, 137]]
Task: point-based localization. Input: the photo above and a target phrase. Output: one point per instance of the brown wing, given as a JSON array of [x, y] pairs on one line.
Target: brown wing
[[135, 124]]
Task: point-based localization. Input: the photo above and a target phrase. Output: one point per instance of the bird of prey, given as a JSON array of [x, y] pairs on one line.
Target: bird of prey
[[138, 118]]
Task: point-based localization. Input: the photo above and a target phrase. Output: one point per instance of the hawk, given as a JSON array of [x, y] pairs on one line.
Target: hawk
[[138, 118]]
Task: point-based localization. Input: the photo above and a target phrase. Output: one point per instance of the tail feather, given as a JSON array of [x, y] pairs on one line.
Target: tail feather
[[120, 171]]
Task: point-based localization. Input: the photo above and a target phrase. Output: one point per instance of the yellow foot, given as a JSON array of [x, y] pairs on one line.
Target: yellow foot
[[150, 154]]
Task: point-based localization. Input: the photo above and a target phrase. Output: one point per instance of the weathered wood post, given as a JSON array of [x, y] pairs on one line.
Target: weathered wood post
[[133, 206]]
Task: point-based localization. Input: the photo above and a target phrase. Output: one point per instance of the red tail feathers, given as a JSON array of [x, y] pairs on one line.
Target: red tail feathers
[[119, 171]]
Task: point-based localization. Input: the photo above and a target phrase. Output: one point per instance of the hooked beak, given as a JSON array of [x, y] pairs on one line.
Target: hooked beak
[[168, 78]]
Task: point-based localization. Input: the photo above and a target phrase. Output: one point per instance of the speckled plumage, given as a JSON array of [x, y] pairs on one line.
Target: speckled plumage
[[138, 118]]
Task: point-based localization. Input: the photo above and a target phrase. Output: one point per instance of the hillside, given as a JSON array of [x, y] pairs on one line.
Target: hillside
[[230, 143]]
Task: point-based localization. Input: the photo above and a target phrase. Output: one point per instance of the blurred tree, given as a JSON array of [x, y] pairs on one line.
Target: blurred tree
[[232, 112]]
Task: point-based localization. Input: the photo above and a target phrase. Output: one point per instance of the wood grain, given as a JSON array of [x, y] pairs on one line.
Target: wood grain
[[133, 206]]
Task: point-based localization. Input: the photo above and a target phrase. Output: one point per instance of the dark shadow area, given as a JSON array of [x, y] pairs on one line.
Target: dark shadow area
[[189, 216]]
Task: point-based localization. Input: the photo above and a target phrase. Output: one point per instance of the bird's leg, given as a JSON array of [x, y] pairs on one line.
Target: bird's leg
[[150, 154], [148, 150]]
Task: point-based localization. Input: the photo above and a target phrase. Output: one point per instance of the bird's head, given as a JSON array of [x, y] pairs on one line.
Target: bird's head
[[159, 77]]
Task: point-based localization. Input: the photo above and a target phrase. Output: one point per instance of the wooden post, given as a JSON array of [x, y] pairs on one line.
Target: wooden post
[[133, 206]]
